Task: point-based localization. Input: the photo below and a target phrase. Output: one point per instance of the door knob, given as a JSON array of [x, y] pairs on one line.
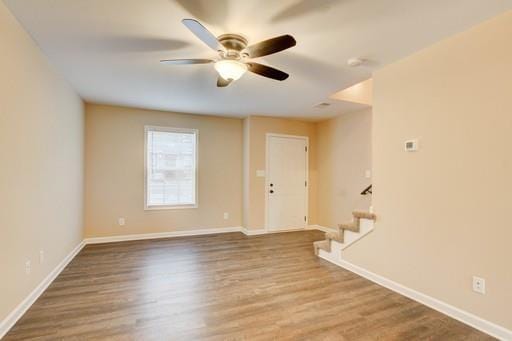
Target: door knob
[[271, 191]]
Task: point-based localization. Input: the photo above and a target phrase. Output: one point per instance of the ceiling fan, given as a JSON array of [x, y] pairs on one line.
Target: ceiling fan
[[234, 54]]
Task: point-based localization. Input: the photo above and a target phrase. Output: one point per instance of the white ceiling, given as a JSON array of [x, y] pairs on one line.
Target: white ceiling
[[109, 50]]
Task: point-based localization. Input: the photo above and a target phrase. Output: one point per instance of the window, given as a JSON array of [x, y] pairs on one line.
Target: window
[[171, 168]]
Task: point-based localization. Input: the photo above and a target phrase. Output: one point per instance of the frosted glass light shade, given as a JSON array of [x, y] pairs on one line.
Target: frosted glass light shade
[[230, 69]]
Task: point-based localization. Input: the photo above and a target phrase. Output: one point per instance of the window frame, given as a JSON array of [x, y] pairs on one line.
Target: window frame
[[148, 128]]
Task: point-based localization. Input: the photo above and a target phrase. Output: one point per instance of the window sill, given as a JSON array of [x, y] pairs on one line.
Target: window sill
[[173, 207]]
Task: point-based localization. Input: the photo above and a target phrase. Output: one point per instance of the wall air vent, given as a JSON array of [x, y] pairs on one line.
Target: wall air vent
[[322, 105]]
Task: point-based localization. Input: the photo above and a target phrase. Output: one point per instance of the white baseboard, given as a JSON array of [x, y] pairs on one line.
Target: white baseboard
[[18, 312], [141, 236], [253, 232], [320, 228], [463, 316], [195, 232]]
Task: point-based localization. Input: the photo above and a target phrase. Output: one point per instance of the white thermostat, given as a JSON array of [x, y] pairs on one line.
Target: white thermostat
[[411, 145]]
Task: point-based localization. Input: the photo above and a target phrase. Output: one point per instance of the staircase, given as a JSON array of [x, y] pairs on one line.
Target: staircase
[[346, 234]]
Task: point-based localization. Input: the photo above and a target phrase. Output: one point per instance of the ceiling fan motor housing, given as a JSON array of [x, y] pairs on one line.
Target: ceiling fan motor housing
[[234, 44]]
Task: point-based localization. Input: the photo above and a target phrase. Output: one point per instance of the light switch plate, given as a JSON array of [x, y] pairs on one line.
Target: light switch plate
[[27, 267], [260, 173]]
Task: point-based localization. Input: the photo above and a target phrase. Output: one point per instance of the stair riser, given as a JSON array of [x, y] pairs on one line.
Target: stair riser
[[354, 226], [340, 239], [364, 215]]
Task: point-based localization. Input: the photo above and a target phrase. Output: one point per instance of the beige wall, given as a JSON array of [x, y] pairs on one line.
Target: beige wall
[[115, 172], [359, 93], [344, 155], [258, 127], [230, 152], [41, 158], [443, 211]]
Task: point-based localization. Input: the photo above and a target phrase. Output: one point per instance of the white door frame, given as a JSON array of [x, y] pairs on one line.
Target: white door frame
[[306, 188]]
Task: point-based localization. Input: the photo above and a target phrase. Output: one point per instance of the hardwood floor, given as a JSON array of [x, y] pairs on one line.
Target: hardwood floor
[[224, 287]]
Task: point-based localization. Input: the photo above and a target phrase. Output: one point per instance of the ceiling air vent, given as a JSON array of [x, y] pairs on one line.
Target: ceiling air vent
[[322, 105]]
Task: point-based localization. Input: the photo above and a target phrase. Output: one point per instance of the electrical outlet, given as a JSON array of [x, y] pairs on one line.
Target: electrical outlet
[[411, 145], [121, 221], [368, 174], [41, 256], [226, 215], [27, 267], [479, 285]]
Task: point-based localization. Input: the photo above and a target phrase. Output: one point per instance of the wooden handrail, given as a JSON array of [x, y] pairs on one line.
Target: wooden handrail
[[367, 190]]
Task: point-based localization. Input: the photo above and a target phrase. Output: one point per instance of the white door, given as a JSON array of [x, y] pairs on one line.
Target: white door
[[286, 182]]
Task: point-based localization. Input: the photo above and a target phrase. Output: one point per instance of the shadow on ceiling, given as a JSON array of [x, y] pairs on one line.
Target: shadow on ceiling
[[304, 7], [142, 44], [208, 11]]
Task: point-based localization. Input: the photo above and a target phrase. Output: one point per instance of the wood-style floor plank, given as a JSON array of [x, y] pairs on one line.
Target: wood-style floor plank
[[224, 287]]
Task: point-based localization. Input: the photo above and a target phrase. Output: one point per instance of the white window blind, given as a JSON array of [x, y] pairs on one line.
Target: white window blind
[[171, 167]]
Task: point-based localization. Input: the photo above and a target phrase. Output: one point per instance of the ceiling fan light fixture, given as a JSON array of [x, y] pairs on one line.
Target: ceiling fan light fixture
[[230, 69], [233, 51]]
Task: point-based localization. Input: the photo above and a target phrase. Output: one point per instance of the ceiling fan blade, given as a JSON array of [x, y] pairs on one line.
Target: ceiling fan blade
[[221, 82], [203, 34], [186, 61], [267, 71], [270, 46]]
